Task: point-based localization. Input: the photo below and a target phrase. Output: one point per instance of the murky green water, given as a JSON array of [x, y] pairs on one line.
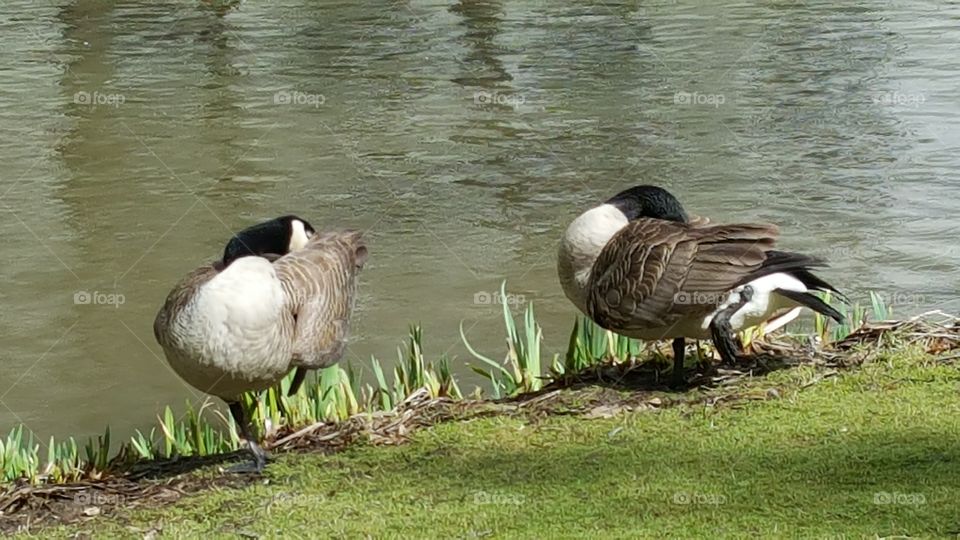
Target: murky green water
[[136, 137]]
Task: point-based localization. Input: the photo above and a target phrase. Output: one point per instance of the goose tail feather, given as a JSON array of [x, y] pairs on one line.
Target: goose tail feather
[[813, 302]]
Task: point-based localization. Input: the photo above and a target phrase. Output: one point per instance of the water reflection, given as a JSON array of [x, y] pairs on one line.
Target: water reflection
[[482, 21]]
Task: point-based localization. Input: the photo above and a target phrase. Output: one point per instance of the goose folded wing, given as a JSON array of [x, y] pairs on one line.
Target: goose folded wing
[[726, 257], [654, 273], [321, 325], [633, 280], [320, 282]]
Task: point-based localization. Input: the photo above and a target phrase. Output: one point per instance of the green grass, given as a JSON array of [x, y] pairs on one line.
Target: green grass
[[820, 460]]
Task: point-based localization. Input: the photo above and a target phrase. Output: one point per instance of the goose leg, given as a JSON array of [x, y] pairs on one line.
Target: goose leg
[[679, 350], [722, 332], [259, 455], [298, 378]]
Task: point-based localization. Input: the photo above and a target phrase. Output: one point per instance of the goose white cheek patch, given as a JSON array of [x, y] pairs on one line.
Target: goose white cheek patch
[[299, 237]]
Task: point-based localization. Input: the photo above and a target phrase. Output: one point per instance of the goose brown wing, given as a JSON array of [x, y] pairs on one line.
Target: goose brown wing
[[320, 283], [653, 273], [630, 286]]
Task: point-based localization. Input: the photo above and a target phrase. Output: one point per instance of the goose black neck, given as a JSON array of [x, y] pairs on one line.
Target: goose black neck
[[649, 202], [267, 238]]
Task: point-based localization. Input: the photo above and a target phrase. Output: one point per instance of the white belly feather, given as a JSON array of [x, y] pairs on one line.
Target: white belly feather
[[228, 338]]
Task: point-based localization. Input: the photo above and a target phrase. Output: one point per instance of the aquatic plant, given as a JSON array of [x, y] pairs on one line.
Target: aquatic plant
[[411, 372], [521, 370], [590, 345], [854, 316], [20, 458]]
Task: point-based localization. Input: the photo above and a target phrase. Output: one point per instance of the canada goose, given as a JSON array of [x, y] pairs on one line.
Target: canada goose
[[280, 298], [637, 265]]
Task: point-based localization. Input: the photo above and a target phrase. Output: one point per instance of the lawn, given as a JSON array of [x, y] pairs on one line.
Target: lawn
[[805, 452]]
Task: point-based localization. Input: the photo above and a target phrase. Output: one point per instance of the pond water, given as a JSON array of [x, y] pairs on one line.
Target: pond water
[[462, 137]]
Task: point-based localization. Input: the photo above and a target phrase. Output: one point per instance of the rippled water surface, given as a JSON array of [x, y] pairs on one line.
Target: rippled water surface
[[137, 137]]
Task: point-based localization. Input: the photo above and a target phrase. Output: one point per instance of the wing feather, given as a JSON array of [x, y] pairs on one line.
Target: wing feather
[[320, 282], [652, 272]]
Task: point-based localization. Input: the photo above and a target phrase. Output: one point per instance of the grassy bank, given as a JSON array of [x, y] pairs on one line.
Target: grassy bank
[[806, 451]]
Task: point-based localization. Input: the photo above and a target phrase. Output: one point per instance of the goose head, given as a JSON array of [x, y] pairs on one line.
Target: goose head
[[587, 235], [270, 239], [648, 202]]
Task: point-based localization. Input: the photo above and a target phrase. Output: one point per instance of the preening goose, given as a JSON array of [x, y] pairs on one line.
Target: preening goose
[[279, 299], [637, 265]]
